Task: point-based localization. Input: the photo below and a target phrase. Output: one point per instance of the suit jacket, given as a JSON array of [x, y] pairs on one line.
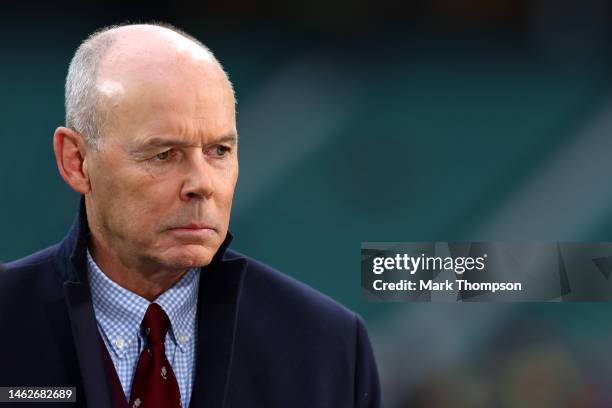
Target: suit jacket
[[264, 339]]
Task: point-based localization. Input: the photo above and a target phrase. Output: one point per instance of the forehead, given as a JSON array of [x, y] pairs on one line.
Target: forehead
[[179, 95]]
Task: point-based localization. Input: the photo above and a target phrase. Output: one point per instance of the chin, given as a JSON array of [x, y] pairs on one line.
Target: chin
[[190, 257]]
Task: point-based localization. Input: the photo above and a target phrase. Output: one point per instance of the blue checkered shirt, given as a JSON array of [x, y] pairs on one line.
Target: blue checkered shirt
[[119, 313]]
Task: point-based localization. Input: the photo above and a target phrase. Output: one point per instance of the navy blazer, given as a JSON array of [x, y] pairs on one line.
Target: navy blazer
[[264, 339]]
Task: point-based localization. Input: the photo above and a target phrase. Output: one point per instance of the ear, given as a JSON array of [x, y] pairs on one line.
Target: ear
[[70, 150]]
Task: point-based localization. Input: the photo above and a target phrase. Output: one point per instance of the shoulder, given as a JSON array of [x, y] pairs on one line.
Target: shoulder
[[26, 274], [43, 256], [293, 329], [270, 291]]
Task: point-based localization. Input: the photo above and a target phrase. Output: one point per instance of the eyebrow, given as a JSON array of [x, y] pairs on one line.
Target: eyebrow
[[171, 142]]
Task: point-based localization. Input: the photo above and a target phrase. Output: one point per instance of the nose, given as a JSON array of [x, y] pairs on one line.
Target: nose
[[198, 182]]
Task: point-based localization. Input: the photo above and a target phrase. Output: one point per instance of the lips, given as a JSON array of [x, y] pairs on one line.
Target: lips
[[194, 227], [194, 233]]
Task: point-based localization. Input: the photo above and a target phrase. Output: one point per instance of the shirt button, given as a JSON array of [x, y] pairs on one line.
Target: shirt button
[[119, 342], [183, 338]]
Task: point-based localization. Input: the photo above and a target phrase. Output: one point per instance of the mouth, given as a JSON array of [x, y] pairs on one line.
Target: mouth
[[194, 231], [193, 227]]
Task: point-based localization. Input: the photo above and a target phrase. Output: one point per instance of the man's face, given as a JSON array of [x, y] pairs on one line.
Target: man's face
[[163, 180]]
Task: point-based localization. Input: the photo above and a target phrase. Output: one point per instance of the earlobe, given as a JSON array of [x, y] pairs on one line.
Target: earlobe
[[69, 148]]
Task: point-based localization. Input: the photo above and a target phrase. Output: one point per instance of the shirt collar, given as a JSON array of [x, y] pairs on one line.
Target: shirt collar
[[119, 312], [180, 304]]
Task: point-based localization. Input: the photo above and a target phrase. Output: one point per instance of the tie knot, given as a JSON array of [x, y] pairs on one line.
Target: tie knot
[[156, 323]]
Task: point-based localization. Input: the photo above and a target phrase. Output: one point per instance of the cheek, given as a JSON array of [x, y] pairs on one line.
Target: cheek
[[135, 205], [226, 188], [148, 203]]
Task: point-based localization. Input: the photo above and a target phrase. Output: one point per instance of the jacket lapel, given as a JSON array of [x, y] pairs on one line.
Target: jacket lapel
[[87, 342], [219, 296]]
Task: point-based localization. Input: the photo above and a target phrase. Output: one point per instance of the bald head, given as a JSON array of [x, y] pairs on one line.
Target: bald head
[[115, 63]]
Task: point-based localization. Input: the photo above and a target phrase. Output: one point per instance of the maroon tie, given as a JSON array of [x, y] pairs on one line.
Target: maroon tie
[[154, 382]]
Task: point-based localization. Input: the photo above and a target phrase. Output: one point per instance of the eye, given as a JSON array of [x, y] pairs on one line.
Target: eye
[[221, 150], [163, 156]]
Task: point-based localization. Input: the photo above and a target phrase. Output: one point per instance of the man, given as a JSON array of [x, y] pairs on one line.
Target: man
[[143, 304]]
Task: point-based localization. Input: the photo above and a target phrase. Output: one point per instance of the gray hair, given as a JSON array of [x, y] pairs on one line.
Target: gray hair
[[83, 111]]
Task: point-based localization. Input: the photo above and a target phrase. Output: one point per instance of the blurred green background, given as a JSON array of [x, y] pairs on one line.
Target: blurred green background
[[367, 121]]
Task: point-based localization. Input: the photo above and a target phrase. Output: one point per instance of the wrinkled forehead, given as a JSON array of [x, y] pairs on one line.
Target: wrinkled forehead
[[142, 80], [176, 106]]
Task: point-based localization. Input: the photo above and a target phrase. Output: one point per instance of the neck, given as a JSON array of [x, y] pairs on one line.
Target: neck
[[147, 281]]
